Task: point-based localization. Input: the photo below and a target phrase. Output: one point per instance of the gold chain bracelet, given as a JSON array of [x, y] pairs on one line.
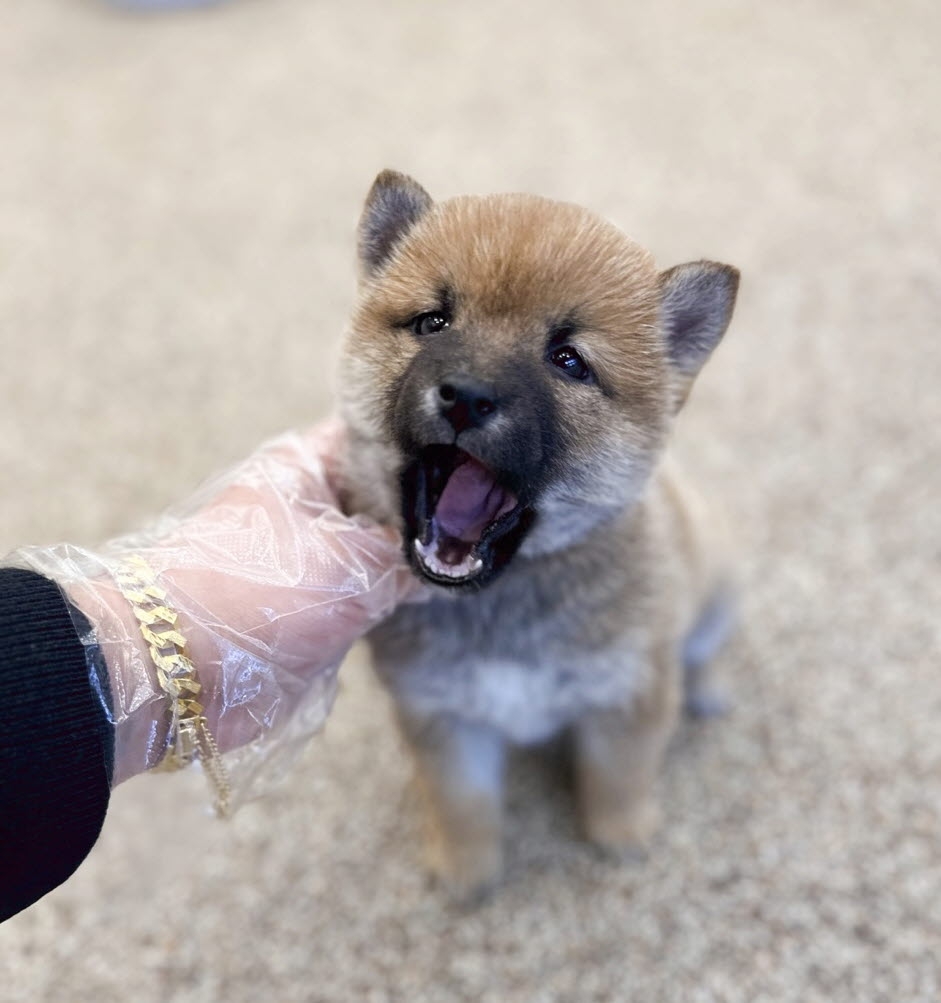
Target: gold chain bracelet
[[189, 736]]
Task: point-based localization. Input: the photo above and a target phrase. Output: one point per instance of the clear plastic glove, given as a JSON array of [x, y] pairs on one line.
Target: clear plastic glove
[[272, 584]]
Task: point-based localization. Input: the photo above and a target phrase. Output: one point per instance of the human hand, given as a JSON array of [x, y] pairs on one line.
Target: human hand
[[272, 584]]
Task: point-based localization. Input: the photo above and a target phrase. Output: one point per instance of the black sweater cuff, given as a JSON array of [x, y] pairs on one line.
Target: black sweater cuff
[[56, 741]]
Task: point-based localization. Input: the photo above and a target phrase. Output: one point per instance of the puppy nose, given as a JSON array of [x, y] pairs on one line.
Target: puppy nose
[[466, 403]]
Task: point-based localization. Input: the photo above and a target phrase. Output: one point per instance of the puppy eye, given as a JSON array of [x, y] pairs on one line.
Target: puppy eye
[[430, 323], [570, 362]]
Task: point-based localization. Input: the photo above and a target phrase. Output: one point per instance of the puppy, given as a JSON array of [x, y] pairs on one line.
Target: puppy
[[509, 380]]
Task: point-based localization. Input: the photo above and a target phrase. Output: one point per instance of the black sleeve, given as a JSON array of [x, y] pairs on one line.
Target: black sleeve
[[56, 741]]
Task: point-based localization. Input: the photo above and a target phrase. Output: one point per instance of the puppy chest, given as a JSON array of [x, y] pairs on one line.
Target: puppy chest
[[520, 662], [527, 702]]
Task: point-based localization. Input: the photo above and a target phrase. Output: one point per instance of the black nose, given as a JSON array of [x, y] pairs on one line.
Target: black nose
[[466, 403]]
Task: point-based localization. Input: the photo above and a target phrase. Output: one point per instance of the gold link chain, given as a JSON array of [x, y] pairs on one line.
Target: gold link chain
[[189, 736]]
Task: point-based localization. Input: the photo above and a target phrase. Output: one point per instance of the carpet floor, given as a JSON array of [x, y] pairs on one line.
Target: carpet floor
[[178, 193]]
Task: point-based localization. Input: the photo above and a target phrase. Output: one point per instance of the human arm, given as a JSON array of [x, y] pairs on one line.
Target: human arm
[[272, 584]]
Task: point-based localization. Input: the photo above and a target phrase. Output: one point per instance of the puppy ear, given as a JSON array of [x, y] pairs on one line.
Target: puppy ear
[[696, 305], [394, 205]]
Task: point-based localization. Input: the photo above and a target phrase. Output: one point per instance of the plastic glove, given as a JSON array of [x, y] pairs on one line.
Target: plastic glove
[[272, 584]]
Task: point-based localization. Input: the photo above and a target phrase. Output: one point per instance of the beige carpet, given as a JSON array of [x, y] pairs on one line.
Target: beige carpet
[[177, 198]]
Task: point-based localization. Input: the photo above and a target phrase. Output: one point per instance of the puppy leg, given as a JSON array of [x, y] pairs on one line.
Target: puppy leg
[[618, 753], [460, 771]]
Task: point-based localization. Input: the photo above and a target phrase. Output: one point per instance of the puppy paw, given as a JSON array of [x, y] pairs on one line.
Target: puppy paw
[[465, 874], [626, 832]]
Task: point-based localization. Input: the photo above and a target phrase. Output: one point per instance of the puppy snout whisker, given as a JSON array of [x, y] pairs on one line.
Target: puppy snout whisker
[[466, 403]]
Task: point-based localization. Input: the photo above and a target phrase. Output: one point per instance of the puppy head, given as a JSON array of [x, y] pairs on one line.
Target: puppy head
[[512, 368]]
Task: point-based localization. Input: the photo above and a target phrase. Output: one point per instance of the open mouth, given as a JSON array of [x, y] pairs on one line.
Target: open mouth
[[462, 524]]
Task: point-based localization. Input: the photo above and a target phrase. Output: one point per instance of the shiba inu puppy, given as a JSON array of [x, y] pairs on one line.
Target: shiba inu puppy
[[510, 377]]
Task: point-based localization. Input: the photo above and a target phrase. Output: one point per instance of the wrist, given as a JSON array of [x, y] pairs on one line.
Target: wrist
[[145, 708], [138, 709]]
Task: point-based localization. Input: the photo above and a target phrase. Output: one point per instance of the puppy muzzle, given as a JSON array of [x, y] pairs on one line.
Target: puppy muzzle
[[474, 453]]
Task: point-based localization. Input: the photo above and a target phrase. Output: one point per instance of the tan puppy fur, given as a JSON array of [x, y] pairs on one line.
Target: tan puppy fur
[[510, 378]]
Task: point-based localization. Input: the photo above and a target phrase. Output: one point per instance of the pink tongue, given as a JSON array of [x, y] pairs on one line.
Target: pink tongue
[[471, 500]]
